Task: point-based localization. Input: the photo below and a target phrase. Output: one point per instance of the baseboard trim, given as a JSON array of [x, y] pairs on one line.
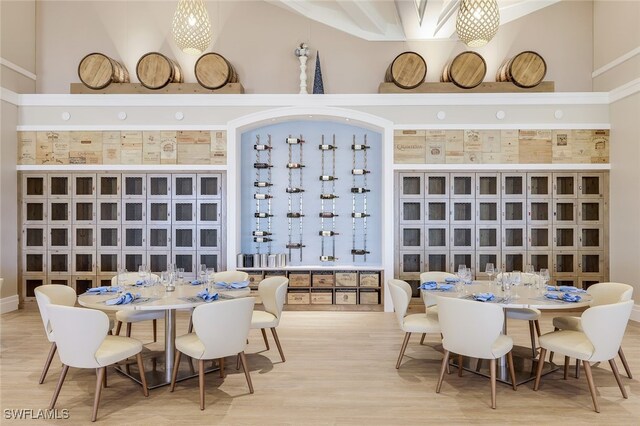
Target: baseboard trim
[[635, 313], [9, 304]]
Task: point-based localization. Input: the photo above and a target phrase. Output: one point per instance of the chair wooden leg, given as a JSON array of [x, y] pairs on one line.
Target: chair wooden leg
[[174, 375], [190, 325], [443, 368], [512, 370], [47, 363], [492, 368], [616, 374], [56, 392], [275, 337], [128, 329], [245, 367], [592, 387], [533, 340], [422, 338], [264, 336], [566, 367], [479, 365], [201, 381], [104, 379], [551, 353], [143, 377], [155, 331], [96, 399], [459, 365], [543, 353], [537, 325], [577, 368], [624, 363], [118, 327], [403, 348], [221, 365], [238, 362]]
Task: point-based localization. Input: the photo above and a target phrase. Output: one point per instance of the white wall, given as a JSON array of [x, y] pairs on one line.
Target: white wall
[[259, 39]]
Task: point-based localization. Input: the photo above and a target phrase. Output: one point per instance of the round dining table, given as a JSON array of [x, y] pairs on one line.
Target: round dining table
[[522, 296], [154, 298]]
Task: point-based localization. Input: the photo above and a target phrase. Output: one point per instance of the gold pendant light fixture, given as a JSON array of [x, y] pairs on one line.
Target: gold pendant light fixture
[[192, 27], [477, 21]]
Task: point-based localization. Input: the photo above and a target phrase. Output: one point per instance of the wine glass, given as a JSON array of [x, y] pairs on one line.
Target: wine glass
[[210, 272], [490, 270], [516, 279], [544, 278]]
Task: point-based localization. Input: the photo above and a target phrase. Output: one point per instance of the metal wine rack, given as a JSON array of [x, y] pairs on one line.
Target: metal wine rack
[[263, 183], [359, 190], [328, 198], [295, 193]]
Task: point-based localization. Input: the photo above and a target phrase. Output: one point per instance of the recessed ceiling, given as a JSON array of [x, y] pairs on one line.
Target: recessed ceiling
[[399, 20]]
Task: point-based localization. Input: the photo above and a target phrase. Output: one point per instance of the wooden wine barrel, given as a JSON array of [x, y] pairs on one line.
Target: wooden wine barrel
[[154, 70], [97, 71], [526, 69], [213, 71], [466, 70], [407, 70]]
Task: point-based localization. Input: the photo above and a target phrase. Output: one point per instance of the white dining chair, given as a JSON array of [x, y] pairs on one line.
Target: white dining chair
[[601, 294], [400, 292], [221, 330], [82, 340], [474, 329], [429, 299], [272, 291], [227, 277], [52, 294], [532, 315], [129, 316], [602, 331]]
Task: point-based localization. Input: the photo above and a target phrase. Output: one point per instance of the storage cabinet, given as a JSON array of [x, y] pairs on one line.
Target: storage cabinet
[[554, 220], [82, 228]]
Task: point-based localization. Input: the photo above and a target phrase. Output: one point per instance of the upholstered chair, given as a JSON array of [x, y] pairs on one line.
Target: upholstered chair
[[128, 316], [272, 291]]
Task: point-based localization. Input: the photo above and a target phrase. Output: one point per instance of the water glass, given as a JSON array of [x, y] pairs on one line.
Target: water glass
[[490, 270], [180, 275], [544, 280]]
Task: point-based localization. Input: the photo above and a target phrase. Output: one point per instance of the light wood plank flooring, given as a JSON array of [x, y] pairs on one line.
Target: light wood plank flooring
[[339, 370]]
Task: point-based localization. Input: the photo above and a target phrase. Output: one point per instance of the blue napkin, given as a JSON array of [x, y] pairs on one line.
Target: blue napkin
[[484, 297], [196, 282], [123, 299], [429, 285], [566, 289], [566, 297], [207, 297], [233, 285], [140, 282], [103, 290], [451, 280]]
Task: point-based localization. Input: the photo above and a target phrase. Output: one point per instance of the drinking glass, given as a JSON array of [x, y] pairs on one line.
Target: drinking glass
[[210, 273], [490, 270], [544, 278], [516, 279], [180, 275]]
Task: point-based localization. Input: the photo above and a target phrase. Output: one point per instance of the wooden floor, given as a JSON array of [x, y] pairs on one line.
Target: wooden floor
[[339, 370]]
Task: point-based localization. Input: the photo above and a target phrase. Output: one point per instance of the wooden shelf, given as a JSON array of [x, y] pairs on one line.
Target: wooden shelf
[[171, 88], [488, 87]]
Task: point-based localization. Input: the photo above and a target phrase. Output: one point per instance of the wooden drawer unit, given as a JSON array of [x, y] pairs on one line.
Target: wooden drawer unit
[[298, 297], [255, 278], [322, 279], [369, 279], [346, 279], [299, 279], [346, 297], [321, 297], [368, 297]]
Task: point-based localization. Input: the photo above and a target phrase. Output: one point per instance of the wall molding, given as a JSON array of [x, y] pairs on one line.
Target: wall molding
[[9, 96], [115, 128], [120, 167], [617, 61], [497, 167], [17, 68], [499, 126], [625, 90], [635, 313], [9, 304]]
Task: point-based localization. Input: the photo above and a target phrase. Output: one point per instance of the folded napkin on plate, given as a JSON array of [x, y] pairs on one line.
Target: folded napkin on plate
[[565, 297], [122, 299], [429, 285], [206, 296], [233, 285], [196, 282], [566, 289], [104, 290], [451, 280], [140, 282], [484, 297]]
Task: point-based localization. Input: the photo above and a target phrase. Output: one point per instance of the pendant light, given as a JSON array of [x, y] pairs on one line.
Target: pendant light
[[192, 27], [477, 22]]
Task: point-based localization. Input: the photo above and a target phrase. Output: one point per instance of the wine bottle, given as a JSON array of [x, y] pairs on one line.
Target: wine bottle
[[328, 233], [262, 239], [295, 245], [262, 166], [295, 215], [261, 233], [328, 196], [294, 190], [357, 190], [262, 215], [359, 171], [325, 147], [356, 147], [262, 184], [262, 196], [326, 215], [359, 252], [328, 178], [262, 147], [294, 166], [328, 258], [359, 215], [294, 141]]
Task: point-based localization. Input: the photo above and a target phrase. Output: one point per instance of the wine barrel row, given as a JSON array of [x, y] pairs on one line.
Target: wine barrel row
[[467, 70], [155, 71]]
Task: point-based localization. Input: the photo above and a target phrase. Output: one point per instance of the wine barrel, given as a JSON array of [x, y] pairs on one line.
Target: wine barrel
[[154, 70], [466, 70], [526, 69], [213, 71], [97, 71], [407, 70]]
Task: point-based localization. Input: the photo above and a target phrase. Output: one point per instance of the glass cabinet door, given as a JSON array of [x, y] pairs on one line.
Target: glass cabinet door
[[208, 238], [133, 237], [134, 186], [411, 185], [211, 260], [84, 262], [487, 185], [591, 238], [34, 263], [59, 237], [158, 186], [84, 212], [565, 238], [109, 185], [436, 237], [158, 261], [539, 238], [512, 261], [134, 212], [109, 237], [184, 186], [34, 185], [209, 186], [462, 211], [514, 212], [437, 211], [488, 237], [60, 186], [59, 262], [159, 212], [108, 262], [514, 238], [590, 212], [540, 260], [565, 185], [463, 258], [411, 212], [488, 211], [411, 237], [184, 237], [565, 263], [84, 237], [34, 211], [484, 257], [411, 264], [109, 211], [514, 185], [591, 185], [591, 262], [564, 212], [436, 261], [84, 185], [539, 212], [34, 237], [208, 212], [462, 237], [184, 212], [539, 185], [159, 238], [60, 211], [437, 185], [462, 185]]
